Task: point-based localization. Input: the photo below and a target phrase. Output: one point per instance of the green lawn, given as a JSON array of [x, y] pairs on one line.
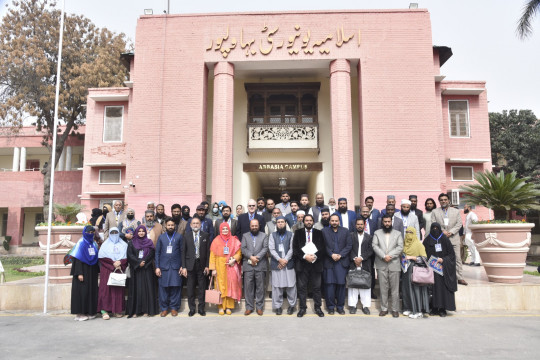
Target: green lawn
[[12, 263], [535, 273]]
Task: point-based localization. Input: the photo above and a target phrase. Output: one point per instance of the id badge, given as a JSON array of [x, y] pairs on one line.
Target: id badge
[[445, 221], [281, 248], [225, 250], [169, 249], [438, 247], [91, 251], [116, 250], [141, 254]]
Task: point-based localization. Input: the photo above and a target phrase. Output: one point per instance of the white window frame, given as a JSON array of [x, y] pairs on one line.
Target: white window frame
[[468, 121], [461, 167], [121, 124], [118, 183]]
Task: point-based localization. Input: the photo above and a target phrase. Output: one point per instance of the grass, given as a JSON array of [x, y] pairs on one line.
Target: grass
[[534, 263], [12, 264], [535, 273]]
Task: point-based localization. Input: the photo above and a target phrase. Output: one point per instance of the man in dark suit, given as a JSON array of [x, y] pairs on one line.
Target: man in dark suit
[[373, 212], [338, 244], [254, 267], [244, 220], [168, 269], [226, 213], [347, 218], [361, 253], [206, 224], [267, 214], [195, 257], [371, 225], [308, 269], [291, 217]]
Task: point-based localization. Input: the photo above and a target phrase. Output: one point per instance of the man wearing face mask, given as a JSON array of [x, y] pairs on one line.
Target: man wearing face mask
[[186, 213], [114, 218], [226, 212], [215, 214], [206, 224], [325, 220], [129, 223]]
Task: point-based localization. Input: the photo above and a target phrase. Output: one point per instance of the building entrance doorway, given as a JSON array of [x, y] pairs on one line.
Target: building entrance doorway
[[269, 180]]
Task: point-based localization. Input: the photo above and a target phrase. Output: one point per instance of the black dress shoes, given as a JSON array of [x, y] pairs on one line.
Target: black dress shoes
[[301, 312], [442, 313], [331, 312], [279, 311], [202, 312], [373, 296], [352, 310], [395, 314], [319, 312], [191, 313], [290, 310], [383, 313], [366, 311], [341, 311]]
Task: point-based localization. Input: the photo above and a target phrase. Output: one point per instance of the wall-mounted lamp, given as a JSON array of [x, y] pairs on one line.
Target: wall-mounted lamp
[[413, 6], [148, 12]]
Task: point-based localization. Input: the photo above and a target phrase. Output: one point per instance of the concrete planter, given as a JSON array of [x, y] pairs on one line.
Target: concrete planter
[[63, 238], [503, 249]]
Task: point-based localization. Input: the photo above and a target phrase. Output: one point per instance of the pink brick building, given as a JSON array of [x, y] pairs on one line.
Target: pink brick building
[[221, 106]]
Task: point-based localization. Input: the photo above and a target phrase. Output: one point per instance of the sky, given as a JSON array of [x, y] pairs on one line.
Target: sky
[[481, 34]]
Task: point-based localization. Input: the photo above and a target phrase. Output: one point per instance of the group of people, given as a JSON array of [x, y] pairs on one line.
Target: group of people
[[286, 248]]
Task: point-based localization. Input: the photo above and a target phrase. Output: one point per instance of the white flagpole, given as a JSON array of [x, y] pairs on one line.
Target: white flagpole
[[53, 161]]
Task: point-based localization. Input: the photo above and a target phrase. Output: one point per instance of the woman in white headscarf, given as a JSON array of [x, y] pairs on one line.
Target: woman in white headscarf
[[112, 257]]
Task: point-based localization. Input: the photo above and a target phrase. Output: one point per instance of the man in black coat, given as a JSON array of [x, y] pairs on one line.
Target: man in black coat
[[244, 220], [309, 266], [361, 254], [195, 257]]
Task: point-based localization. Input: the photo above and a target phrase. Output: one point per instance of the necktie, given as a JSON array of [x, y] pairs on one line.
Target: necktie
[[197, 245], [309, 236]]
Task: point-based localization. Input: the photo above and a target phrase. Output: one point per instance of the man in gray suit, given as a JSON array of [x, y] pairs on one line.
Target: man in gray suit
[[388, 245], [114, 218], [254, 249], [397, 223], [450, 221]]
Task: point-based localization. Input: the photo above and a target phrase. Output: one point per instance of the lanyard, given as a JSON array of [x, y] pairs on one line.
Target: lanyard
[[131, 222], [405, 222], [170, 239], [253, 237], [445, 212], [437, 239], [281, 238]]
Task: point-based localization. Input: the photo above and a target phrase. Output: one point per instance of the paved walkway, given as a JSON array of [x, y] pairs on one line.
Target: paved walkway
[[460, 336]]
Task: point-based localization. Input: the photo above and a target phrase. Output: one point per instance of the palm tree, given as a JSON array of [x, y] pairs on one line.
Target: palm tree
[[502, 193], [530, 9]]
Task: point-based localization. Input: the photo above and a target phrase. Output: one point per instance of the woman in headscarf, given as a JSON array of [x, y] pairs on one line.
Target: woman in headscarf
[[142, 299], [225, 257], [415, 297], [215, 214], [112, 258], [128, 223], [85, 269], [97, 213], [439, 246]]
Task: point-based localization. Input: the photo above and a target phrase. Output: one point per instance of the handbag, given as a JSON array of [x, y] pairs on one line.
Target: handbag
[[359, 279], [117, 279], [213, 296], [422, 275]]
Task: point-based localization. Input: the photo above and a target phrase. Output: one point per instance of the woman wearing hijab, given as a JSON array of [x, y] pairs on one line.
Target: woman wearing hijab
[[225, 257], [85, 269], [415, 297], [439, 246], [215, 214], [128, 223], [112, 258], [142, 290]]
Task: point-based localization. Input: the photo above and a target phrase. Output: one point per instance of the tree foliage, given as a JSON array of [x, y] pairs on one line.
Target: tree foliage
[[515, 142], [29, 35], [530, 9], [502, 193]]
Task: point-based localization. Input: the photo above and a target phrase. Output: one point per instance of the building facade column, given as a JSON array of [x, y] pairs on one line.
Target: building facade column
[[15, 225], [16, 159], [69, 155], [222, 138], [22, 166], [342, 141], [61, 161]]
